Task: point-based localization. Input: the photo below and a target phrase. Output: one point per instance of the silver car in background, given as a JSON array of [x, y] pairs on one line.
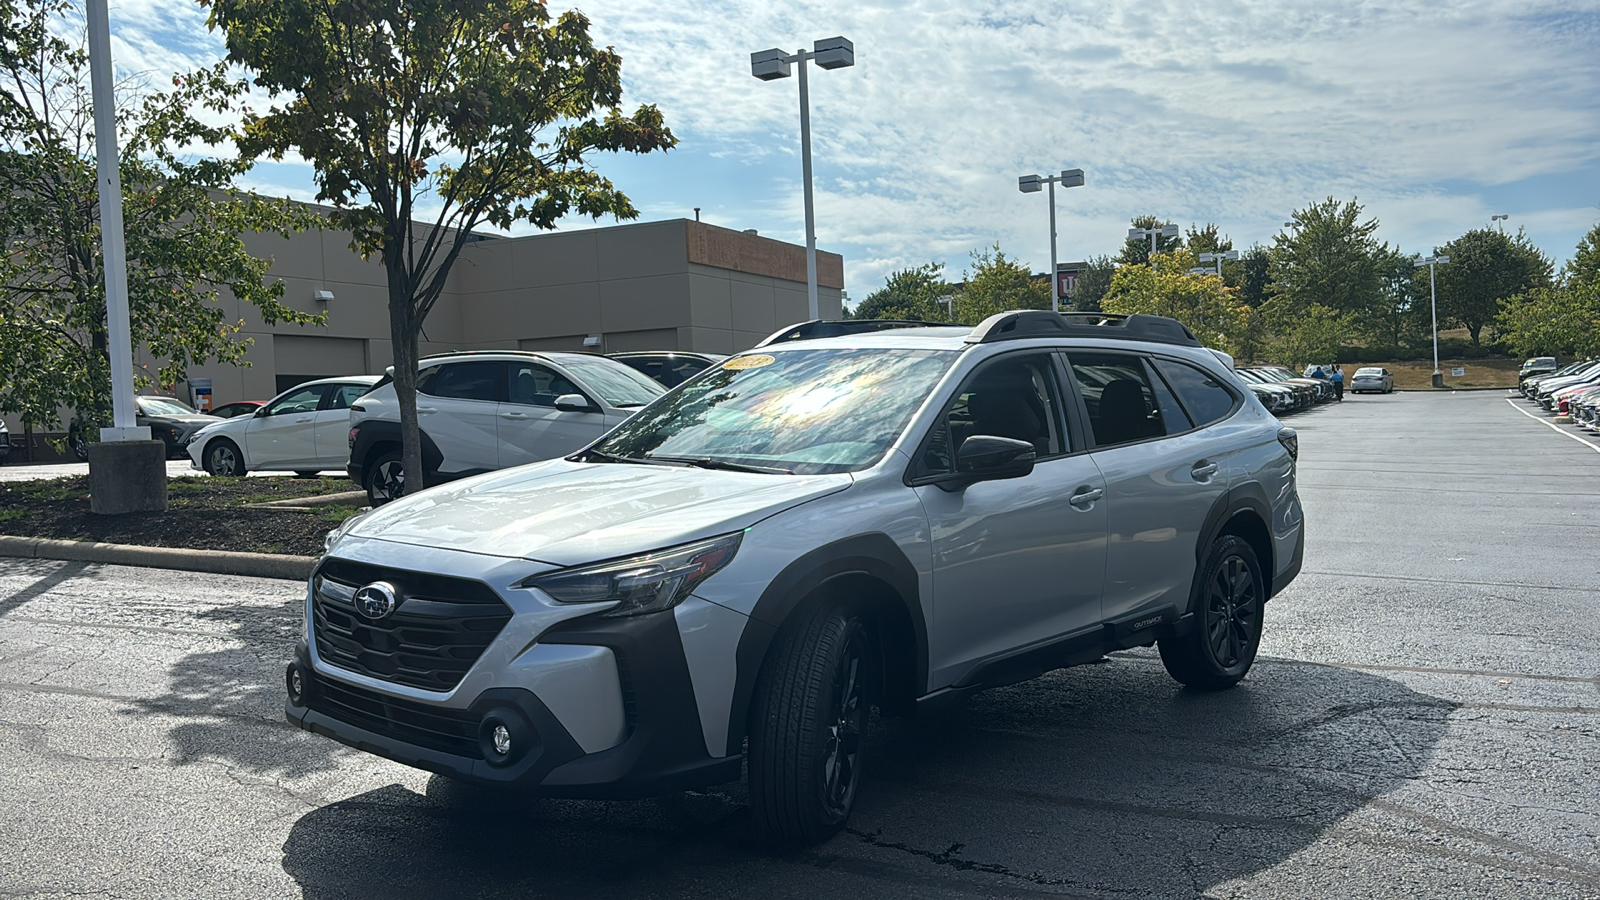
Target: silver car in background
[[1372, 379]]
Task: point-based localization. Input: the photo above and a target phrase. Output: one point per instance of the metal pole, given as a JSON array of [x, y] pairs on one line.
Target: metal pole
[[119, 331], [1433, 290], [1055, 286], [805, 167], [1153, 233]]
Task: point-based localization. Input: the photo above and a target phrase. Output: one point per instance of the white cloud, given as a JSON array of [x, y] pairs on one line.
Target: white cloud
[[1236, 112]]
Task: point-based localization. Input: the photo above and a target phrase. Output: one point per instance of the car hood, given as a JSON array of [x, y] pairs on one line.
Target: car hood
[[566, 513]]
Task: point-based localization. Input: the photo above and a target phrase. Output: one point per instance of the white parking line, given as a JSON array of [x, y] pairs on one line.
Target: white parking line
[[1591, 445]]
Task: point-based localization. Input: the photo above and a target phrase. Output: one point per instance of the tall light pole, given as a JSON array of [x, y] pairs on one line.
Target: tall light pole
[[1029, 184], [768, 65], [1218, 258], [1433, 289], [1135, 234], [1502, 220]]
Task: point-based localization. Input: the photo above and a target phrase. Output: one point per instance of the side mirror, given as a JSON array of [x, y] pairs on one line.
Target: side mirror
[[261, 412], [573, 403], [985, 457]]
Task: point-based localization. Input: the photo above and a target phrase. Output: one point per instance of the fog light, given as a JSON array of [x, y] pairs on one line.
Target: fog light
[[295, 683], [502, 740]]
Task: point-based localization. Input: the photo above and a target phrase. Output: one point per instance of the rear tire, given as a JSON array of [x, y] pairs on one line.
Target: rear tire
[[386, 478], [1229, 598], [223, 459], [808, 728]]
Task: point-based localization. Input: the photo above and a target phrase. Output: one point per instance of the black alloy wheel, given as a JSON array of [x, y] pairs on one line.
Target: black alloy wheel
[[808, 726], [1228, 605], [386, 479]]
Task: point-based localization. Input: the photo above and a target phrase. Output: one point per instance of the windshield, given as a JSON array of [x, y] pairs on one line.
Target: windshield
[[617, 384], [807, 412], [163, 406]]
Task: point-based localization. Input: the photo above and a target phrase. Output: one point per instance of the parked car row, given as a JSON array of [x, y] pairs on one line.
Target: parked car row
[[1281, 391], [478, 411], [1573, 389]]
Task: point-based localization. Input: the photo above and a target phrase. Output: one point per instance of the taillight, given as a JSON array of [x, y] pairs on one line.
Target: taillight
[[1290, 439]]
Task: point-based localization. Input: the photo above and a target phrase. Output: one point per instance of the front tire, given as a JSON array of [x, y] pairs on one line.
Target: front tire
[[223, 459], [386, 479], [809, 727], [1229, 599]]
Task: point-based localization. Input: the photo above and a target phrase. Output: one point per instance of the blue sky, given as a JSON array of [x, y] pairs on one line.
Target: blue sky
[[1435, 116]]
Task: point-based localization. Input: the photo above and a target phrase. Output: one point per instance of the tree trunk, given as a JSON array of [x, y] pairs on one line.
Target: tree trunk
[[1473, 330], [403, 333]]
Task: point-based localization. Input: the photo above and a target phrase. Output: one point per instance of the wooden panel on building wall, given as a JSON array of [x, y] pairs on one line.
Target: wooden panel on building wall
[[724, 248]]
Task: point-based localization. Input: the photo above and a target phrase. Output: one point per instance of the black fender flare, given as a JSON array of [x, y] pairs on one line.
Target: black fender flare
[[875, 554], [382, 431], [1245, 498]]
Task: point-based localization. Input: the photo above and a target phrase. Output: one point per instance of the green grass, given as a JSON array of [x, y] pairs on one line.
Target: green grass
[[7, 515], [1417, 375], [337, 514], [45, 491]]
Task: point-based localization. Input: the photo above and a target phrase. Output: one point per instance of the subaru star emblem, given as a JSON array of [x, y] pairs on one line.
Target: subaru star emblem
[[376, 600]]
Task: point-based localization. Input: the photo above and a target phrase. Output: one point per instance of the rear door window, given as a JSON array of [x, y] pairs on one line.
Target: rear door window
[[1120, 400], [467, 381]]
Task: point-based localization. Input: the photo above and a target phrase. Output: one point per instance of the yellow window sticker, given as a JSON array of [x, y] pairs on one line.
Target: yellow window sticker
[[739, 363]]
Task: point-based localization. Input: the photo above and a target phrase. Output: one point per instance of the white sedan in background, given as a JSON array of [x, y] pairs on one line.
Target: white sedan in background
[[1372, 378], [304, 430]]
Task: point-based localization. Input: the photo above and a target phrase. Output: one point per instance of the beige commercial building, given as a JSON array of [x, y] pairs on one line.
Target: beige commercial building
[[672, 285]]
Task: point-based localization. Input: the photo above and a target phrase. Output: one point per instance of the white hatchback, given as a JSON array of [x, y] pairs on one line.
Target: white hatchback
[[303, 430]]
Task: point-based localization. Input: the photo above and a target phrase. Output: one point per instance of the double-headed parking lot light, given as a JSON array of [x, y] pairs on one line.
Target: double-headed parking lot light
[[1029, 184], [770, 65], [1433, 291], [1167, 231], [1218, 258]]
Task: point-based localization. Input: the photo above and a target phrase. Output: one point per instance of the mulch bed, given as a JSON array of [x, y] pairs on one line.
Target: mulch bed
[[202, 514]]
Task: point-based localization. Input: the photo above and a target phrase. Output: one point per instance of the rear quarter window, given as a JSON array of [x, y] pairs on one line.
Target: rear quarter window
[[1202, 395]]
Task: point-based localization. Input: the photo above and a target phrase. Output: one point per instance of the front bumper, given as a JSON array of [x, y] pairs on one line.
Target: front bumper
[[662, 749]]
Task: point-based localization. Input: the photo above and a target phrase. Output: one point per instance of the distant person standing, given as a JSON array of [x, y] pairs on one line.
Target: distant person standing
[[1338, 382], [1318, 373]]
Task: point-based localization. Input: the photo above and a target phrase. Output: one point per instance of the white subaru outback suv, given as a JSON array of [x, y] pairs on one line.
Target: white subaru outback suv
[[741, 570]]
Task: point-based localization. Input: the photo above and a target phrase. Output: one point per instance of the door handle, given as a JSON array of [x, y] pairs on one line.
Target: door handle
[[422, 411], [305, 420], [1203, 470], [1086, 496], [513, 415]]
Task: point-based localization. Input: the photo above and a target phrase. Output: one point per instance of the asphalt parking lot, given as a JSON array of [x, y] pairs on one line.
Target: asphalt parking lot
[[1424, 722]]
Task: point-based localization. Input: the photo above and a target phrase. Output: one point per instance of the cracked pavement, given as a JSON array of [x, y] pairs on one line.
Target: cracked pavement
[[1424, 721]]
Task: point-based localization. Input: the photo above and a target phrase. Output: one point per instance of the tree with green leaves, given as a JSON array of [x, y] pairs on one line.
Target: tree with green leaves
[[1546, 321], [1585, 262], [426, 119], [1393, 316], [1210, 308], [183, 221], [1136, 251], [1486, 267], [1093, 283], [1254, 271], [1330, 258], [996, 283], [917, 293], [1305, 334]]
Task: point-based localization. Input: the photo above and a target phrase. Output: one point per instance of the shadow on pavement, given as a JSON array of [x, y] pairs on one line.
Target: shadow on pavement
[[1106, 779], [51, 575], [230, 700]]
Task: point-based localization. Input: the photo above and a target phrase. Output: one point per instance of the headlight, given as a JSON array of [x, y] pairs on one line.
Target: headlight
[[641, 584], [339, 532]]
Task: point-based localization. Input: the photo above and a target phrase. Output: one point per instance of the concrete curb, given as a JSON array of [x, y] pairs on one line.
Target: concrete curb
[[217, 562], [342, 498]]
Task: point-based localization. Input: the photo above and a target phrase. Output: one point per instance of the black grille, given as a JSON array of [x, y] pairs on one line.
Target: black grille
[[446, 730], [439, 629]]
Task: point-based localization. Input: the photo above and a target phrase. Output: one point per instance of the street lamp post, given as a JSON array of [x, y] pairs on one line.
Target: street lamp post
[[1502, 220], [1218, 258], [1433, 289], [1135, 234], [1029, 184], [768, 65]]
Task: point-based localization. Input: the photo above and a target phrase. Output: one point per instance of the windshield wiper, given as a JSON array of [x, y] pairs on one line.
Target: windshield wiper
[[706, 462], [602, 456]]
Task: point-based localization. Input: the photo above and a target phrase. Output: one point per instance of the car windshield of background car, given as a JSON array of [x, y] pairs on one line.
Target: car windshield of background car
[[809, 412], [617, 384], [163, 406]]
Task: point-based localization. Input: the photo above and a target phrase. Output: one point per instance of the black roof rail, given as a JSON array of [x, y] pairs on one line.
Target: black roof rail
[[1027, 323], [512, 351], [821, 328]]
